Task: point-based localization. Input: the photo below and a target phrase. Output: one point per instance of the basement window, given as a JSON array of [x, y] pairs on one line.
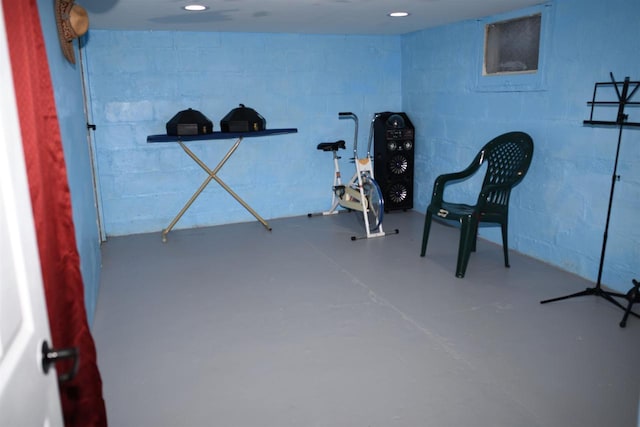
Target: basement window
[[511, 50], [512, 46]]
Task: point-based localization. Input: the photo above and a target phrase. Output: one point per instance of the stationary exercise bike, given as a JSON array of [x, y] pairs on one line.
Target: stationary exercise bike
[[362, 193]]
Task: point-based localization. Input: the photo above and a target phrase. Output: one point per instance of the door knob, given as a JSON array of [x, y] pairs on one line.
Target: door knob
[[52, 355]]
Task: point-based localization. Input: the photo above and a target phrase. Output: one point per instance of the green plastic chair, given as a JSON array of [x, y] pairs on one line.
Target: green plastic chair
[[508, 157]]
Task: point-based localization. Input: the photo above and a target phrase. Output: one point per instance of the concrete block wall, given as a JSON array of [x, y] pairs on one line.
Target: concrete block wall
[[67, 85], [558, 212], [139, 80]]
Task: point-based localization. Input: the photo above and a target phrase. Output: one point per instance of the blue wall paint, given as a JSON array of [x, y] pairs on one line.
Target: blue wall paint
[[139, 80], [69, 103], [558, 213]]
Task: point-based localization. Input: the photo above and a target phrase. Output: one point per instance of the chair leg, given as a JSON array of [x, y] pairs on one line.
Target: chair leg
[[464, 248], [475, 238], [425, 233], [505, 244]]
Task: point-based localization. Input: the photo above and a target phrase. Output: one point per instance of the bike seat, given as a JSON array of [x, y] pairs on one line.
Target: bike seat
[[331, 146]]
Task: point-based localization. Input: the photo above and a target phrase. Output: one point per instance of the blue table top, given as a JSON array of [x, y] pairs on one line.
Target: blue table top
[[219, 135]]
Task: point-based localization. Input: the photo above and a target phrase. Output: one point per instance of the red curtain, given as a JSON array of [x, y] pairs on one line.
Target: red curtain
[[81, 398]]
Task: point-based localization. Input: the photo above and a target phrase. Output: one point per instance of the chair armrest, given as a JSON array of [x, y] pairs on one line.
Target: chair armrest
[[442, 180]]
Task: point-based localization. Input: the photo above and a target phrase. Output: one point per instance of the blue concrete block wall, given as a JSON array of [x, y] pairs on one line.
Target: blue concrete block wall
[[558, 213], [139, 80], [67, 86]]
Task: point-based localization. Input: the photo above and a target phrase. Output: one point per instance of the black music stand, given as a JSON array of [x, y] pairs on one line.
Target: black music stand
[[624, 96]]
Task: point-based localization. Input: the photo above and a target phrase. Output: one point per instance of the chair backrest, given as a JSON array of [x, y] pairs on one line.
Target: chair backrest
[[508, 157]]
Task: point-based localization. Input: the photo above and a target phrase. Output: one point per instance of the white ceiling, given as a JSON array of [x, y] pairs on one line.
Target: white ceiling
[[291, 16]]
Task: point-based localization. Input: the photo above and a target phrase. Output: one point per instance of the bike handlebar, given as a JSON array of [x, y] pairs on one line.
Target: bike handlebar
[[355, 136], [343, 115]]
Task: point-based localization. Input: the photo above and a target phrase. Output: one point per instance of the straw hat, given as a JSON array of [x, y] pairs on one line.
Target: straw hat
[[72, 21]]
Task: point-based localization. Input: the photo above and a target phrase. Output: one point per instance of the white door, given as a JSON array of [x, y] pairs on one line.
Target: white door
[[28, 397]]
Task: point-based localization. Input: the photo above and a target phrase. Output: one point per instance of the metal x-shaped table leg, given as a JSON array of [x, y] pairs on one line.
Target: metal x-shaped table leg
[[212, 175]]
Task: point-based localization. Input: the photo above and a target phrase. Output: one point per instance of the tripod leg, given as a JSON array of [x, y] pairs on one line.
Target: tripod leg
[[623, 323], [632, 296], [608, 297], [588, 291]]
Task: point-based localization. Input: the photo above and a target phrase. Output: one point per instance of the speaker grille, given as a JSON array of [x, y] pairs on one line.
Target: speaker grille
[[397, 193], [398, 164]]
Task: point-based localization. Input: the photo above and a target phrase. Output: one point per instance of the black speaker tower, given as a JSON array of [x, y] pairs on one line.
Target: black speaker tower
[[393, 145]]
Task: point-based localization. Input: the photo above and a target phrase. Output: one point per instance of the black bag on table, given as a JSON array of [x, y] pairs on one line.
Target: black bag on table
[[189, 122], [242, 119]]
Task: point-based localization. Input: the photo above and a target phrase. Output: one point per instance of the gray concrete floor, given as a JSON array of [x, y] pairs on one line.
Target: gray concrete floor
[[237, 326]]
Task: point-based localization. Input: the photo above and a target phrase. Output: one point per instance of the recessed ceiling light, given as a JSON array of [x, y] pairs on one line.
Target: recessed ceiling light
[[195, 7], [399, 14]]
